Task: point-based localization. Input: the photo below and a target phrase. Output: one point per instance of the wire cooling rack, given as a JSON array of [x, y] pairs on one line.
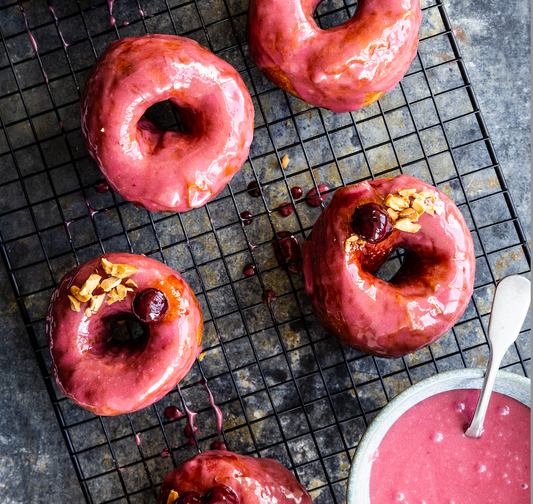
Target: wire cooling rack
[[286, 389]]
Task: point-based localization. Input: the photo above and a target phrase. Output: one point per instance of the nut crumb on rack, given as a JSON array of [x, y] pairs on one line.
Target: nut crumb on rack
[[285, 161]]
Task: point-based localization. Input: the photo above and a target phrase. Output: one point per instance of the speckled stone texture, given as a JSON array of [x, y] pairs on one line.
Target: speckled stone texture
[[34, 465]]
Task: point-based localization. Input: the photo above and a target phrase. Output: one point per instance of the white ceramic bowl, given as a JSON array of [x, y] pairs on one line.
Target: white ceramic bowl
[[510, 384]]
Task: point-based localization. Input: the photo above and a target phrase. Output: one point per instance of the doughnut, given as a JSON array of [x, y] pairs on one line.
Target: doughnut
[[160, 170], [345, 68], [220, 476], [103, 373], [360, 228]]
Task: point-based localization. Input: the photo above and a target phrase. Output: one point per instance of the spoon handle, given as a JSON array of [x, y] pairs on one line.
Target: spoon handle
[[509, 309]]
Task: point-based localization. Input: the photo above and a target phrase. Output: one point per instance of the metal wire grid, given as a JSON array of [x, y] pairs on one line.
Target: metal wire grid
[[286, 389]]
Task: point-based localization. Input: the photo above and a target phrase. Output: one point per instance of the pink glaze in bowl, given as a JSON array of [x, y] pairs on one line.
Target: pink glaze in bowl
[[345, 68], [162, 170], [419, 304], [110, 377]]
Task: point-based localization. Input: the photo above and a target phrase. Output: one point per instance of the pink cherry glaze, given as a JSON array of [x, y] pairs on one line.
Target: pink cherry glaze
[[254, 480], [166, 170], [112, 379], [344, 68], [423, 300]]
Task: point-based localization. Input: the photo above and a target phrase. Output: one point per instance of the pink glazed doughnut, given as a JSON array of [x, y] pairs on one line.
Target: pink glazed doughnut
[[220, 476], [108, 376], [345, 68], [166, 171], [361, 227]]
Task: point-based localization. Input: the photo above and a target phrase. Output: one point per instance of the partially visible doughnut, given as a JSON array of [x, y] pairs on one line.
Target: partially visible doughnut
[[428, 293], [244, 479], [166, 170], [345, 68], [106, 376]]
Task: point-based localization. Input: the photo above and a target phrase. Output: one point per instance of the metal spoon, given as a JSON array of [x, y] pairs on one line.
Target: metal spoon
[[509, 309]]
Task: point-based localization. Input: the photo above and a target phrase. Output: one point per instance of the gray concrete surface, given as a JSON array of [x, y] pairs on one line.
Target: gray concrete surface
[[495, 41]]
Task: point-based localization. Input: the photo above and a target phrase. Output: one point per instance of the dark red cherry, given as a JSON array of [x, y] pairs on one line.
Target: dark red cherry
[[372, 222], [218, 445], [285, 209], [221, 494], [253, 189], [269, 297], [249, 270], [190, 498], [150, 305], [188, 431], [297, 192], [313, 198], [246, 218], [289, 255], [172, 412]]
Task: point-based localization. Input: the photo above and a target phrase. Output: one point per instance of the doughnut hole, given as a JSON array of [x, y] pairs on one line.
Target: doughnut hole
[[327, 15], [391, 266], [165, 116]]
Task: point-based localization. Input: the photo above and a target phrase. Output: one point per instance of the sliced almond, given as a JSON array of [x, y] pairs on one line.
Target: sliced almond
[[397, 203], [108, 266], [406, 192], [90, 284], [76, 293], [393, 214], [352, 240], [406, 225], [123, 270], [418, 206], [285, 161], [110, 283], [409, 213], [130, 283], [121, 292], [88, 312], [96, 302], [74, 303], [113, 296], [172, 497], [427, 194], [430, 210]]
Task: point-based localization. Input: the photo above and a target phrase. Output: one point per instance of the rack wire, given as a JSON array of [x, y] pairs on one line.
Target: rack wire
[[286, 389]]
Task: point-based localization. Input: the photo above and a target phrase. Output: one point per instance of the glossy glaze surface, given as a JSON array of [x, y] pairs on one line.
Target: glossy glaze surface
[[425, 457], [254, 480], [345, 68], [166, 170], [109, 377], [419, 304]]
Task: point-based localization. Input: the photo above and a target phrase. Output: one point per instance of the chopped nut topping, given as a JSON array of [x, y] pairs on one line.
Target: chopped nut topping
[[409, 213], [351, 241], [76, 293], [285, 161], [118, 270], [406, 225], [96, 302], [121, 292], [438, 209], [172, 497], [110, 283], [108, 266], [88, 312], [113, 296], [406, 192], [419, 206], [130, 283], [90, 284], [74, 303], [429, 210], [427, 194], [393, 214], [397, 203]]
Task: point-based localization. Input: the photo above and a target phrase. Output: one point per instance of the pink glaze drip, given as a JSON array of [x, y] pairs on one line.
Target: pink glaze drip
[[165, 452], [254, 480], [191, 415], [91, 211], [344, 68], [288, 252], [51, 9], [218, 412], [102, 187], [125, 23], [138, 439], [425, 457], [173, 412], [67, 226], [157, 169], [421, 302], [110, 7], [32, 39], [110, 378]]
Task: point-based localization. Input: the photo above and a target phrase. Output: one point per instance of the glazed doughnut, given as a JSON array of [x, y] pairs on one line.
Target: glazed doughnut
[[345, 68], [354, 236], [101, 373], [166, 170], [240, 478]]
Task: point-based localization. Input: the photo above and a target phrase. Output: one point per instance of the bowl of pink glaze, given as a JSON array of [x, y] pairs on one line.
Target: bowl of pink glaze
[[415, 451]]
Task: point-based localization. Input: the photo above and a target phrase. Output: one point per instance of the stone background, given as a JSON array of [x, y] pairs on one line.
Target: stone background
[[495, 43]]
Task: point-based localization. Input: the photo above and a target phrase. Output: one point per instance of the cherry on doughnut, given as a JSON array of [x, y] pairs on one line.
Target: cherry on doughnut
[[372, 223], [150, 305], [221, 494], [190, 498]]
